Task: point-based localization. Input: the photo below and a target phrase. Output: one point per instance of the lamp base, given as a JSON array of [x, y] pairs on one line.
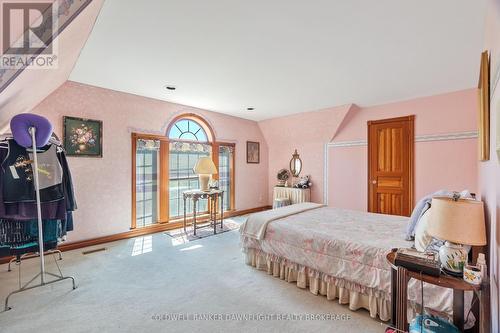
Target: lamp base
[[448, 272], [453, 258], [204, 179]]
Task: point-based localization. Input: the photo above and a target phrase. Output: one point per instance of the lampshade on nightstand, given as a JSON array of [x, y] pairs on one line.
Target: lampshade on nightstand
[[458, 222], [204, 168]]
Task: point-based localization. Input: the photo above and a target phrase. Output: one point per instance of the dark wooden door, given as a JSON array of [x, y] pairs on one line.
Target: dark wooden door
[[390, 166]]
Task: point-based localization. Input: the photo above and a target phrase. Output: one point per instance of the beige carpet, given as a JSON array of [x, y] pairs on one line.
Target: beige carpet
[[136, 280], [206, 230]]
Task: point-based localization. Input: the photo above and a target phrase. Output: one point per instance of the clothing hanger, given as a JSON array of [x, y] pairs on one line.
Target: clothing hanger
[[56, 142], [4, 142], [5, 136]]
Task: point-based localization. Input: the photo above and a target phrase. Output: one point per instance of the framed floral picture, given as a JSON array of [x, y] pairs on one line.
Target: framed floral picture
[[82, 137], [253, 152]]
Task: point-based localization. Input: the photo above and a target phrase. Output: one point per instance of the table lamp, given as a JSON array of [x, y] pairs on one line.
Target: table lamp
[[459, 222], [204, 168]]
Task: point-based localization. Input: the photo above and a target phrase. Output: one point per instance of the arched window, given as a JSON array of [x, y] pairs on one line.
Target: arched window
[[190, 127], [188, 142], [187, 129], [169, 160]]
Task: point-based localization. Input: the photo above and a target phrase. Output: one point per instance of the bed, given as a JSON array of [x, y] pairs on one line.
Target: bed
[[338, 253]]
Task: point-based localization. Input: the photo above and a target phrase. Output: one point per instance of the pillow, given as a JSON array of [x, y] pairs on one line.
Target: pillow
[[422, 237], [20, 124]]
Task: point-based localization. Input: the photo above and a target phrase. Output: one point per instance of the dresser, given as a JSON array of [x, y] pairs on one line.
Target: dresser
[[294, 195]]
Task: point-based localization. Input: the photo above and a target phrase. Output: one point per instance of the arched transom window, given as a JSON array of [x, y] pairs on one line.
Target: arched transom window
[[187, 129]]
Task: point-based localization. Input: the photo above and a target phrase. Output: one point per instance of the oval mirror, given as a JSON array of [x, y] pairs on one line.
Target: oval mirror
[[295, 164]]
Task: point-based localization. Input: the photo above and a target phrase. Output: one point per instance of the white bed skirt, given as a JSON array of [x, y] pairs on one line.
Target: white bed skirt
[[321, 284], [356, 296]]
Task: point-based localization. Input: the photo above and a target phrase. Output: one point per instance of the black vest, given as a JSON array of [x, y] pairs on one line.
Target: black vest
[[18, 179]]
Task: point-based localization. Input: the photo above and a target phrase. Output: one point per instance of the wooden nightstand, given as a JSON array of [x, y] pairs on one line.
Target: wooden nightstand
[[399, 295]]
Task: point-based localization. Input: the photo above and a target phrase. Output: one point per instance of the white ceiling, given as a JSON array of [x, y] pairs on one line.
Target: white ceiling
[[283, 56]]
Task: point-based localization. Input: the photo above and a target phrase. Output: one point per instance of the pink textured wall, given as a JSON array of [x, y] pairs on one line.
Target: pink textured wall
[[347, 177], [457, 161], [22, 95], [103, 185], [347, 173], [450, 164], [489, 172], [439, 114], [307, 132]]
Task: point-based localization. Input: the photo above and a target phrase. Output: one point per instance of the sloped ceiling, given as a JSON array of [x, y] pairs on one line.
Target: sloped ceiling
[[283, 57], [33, 85]]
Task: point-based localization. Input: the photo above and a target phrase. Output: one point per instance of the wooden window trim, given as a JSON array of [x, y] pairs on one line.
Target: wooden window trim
[[202, 122], [164, 165], [232, 171], [164, 181], [134, 182], [164, 159]]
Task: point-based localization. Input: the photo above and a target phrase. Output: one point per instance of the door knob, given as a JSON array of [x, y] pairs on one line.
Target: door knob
[[374, 182]]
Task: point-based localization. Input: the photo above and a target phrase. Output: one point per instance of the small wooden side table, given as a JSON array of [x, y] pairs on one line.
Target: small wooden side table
[[213, 197], [400, 277]]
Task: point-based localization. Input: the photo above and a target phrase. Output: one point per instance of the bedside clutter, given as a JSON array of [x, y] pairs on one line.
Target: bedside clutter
[[458, 222], [427, 323], [450, 225], [472, 275], [445, 227], [399, 295], [427, 263]]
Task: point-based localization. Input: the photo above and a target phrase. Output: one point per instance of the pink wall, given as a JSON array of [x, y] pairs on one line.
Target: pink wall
[[489, 172], [457, 160], [439, 114], [306, 132], [449, 164], [22, 95], [347, 166], [103, 185], [347, 177]]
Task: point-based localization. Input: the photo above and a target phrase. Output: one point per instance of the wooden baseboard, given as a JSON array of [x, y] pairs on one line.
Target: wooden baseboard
[[139, 232]]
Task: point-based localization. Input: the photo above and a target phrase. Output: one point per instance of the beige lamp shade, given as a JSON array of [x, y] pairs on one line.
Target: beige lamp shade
[[460, 221], [205, 166]]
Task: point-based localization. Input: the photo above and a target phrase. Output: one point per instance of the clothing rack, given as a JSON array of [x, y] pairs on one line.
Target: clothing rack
[[18, 259], [31, 255], [43, 273]]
